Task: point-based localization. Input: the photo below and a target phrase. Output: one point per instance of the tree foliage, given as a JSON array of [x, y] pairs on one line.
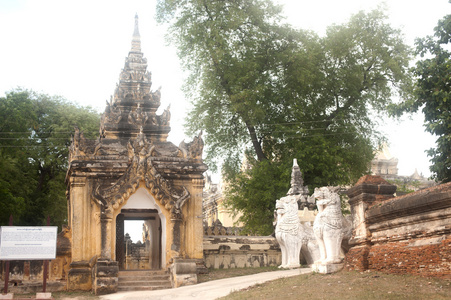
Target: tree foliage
[[433, 95], [35, 133], [278, 93]]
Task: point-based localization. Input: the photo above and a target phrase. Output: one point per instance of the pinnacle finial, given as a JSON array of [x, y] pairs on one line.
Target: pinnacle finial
[[296, 179], [136, 31], [136, 41]]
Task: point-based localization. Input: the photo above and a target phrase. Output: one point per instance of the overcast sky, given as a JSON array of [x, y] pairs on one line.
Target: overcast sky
[[76, 49]]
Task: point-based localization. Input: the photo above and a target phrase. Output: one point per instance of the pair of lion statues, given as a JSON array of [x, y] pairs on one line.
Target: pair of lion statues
[[324, 242]]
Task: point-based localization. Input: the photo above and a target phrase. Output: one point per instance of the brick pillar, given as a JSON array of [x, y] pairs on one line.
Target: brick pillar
[[368, 190]]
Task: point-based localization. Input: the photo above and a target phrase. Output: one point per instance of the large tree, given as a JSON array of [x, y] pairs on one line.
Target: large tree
[[433, 95], [35, 133], [277, 93]]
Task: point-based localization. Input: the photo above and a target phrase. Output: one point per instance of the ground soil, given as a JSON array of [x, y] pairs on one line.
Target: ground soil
[[342, 285], [348, 285], [60, 296]]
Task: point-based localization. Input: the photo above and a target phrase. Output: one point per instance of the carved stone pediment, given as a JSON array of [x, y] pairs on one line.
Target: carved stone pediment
[[141, 169]]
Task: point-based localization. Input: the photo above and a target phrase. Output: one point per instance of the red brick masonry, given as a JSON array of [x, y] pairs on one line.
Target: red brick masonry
[[401, 257], [407, 234]]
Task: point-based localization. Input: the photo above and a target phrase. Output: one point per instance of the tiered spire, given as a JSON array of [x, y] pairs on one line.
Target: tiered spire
[[135, 81], [297, 182], [298, 189], [133, 104], [136, 41]]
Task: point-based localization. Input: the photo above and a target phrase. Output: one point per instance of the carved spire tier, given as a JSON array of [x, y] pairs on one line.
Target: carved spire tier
[[134, 105]]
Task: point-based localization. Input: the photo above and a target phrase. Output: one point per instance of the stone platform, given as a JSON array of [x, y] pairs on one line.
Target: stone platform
[[327, 268]]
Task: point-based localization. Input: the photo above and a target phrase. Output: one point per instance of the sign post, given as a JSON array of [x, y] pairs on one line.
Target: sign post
[[27, 243], [5, 289], [46, 265]]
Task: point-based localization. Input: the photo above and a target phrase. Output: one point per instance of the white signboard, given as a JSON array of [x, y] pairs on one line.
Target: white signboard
[[27, 243]]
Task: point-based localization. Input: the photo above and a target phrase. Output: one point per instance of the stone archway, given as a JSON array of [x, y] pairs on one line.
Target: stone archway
[[141, 186], [131, 163]]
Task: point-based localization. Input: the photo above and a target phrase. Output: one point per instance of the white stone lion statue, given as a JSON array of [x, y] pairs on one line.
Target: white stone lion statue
[[328, 226], [292, 236]]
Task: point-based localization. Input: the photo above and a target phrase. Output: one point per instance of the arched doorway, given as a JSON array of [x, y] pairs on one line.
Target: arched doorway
[[148, 252]]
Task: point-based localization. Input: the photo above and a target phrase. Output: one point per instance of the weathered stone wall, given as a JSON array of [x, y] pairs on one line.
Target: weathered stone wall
[[218, 229], [223, 252], [407, 234]]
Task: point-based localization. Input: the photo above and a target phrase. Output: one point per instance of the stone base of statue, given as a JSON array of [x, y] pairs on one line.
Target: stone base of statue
[[327, 268], [292, 266]]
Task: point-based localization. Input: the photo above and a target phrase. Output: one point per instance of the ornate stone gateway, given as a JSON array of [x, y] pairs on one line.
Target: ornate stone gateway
[[131, 168]]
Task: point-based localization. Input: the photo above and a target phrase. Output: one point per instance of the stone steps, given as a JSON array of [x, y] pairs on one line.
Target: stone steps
[[142, 273], [143, 280]]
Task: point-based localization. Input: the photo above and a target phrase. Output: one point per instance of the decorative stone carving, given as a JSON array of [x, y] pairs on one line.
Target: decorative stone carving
[[165, 117], [156, 96], [112, 113], [137, 117], [328, 228], [152, 120], [141, 168], [193, 149], [76, 148]]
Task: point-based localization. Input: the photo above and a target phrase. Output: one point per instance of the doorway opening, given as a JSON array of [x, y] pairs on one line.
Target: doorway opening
[[138, 239]]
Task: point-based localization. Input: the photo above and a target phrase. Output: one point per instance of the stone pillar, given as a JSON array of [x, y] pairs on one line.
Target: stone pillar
[[80, 275], [77, 216], [196, 238], [105, 223], [183, 272], [176, 236], [368, 190], [106, 277]]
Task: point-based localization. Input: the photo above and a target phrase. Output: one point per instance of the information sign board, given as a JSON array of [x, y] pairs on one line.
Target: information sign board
[[28, 243]]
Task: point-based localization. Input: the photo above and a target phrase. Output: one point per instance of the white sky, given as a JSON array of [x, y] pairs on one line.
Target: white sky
[[76, 49], [134, 229]]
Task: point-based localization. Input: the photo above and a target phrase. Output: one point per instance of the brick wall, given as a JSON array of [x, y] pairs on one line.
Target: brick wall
[[406, 257], [407, 234]]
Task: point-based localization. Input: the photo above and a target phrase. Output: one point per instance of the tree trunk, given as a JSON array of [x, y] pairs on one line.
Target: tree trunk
[[257, 146]]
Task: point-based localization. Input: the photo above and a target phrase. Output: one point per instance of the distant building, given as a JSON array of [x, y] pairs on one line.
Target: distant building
[[386, 166], [214, 208]]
